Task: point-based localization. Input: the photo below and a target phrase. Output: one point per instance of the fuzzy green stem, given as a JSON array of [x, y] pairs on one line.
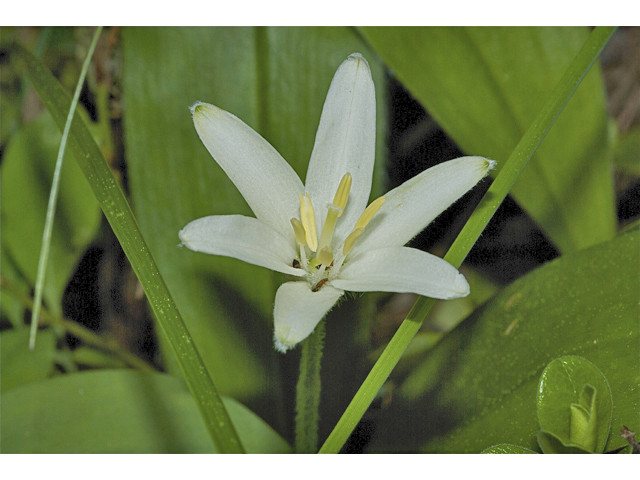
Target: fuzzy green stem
[[473, 228], [308, 392]]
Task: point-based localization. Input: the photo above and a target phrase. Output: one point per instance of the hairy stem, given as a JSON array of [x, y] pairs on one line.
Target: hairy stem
[[308, 392]]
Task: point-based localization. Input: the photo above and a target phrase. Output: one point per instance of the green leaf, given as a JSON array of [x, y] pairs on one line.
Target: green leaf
[[485, 86], [505, 448], [27, 171], [18, 364], [478, 386], [574, 403], [550, 443], [119, 411], [275, 80]]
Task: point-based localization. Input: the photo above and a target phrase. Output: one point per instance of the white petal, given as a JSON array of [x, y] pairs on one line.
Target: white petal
[[345, 143], [266, 181], [409, 208], [402, 269], [298, 310], [244, 238]]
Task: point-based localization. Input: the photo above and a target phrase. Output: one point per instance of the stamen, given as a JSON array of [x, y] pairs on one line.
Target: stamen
[[362, 222], [308, 218], [335, 211], [342, 195], [351, 240], [369, 212], [299, 231]]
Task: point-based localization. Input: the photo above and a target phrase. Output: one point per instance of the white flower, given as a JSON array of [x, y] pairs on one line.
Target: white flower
[[321, 232]]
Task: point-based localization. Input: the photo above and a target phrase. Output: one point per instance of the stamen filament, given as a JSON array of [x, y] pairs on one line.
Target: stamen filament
[[308, 218]]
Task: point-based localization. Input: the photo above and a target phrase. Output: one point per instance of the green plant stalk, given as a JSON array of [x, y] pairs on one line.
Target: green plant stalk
[[53, 195], [308, 392], [120, 216], [468, 236]]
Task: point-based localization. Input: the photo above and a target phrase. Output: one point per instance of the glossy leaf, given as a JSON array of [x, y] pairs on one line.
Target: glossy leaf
[[550, 443], [505, 448], [478, 386], [27, 171], [119, 411], [574, 403], [276, 81], [18, 364], [485, 86]]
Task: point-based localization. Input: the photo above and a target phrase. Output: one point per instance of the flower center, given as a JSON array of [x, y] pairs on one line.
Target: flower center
[[317, 256]]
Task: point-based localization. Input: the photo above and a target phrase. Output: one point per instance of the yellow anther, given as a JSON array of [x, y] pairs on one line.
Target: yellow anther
[[298, 230], [369, 212], [342, 195], [351, 240], [362, 222], [308, 218]]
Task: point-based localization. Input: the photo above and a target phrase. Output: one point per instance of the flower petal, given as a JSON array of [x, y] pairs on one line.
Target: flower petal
[[266, 181], [245, 238], [345, 143], [402, 269], [298, 310], [409, 208]]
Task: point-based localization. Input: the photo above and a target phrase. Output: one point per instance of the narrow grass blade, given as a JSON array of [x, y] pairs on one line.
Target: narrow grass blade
[[53, 196]]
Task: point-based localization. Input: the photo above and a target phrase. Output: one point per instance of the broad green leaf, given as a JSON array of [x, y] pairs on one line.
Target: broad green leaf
[[275, 80], [18, 364], [119, 411], [574, 403], [505, 448], [27, 171], [478, 386], [485, 86]]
